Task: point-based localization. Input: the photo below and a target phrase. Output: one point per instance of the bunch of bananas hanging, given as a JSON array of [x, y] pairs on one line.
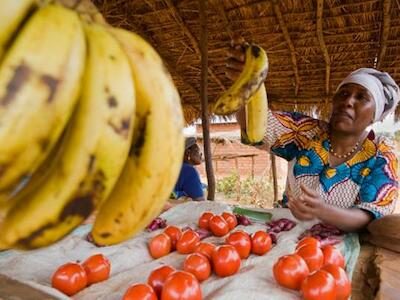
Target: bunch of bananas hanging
[[248, 91], [90, 120]]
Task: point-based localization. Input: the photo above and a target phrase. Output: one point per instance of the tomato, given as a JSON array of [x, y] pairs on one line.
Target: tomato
[[290, 271], [140, 291], [181, 285], [69, 278], [230, 219], [342, 282], [241, 241], [319, 285], [205, 248], [312, 255], [204, 219], [158, 276], [308, 240], [198, 265], [218, 226], [260, 242], [160, 245], [333, 256], [174, 234], [188, 242], [225, 260], [97, 268]]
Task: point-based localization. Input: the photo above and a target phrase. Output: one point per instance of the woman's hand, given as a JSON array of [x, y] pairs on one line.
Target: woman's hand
[[298, 209], [235, 58]]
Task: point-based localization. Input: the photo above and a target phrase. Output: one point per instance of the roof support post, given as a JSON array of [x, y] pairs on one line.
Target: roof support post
[[204, 100]]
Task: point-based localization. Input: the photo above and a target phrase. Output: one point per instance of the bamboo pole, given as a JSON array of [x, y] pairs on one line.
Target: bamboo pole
[[204, 100], [274, 178]]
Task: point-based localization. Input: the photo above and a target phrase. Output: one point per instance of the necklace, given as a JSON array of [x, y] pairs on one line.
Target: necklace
[[331, 150]]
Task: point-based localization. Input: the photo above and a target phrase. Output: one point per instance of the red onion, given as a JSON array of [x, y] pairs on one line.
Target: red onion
[[203, 233], [273, 238], [186, 228], [243, 220], [157, 223]]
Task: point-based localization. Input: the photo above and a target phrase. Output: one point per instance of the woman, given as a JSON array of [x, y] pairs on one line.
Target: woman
[[339, 172], [189, 184]]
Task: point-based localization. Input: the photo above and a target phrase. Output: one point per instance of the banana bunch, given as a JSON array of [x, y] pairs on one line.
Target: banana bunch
[[248, 83], [90, 120]]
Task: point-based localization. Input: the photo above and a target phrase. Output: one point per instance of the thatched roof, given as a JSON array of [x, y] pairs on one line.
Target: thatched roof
[[311, 44]]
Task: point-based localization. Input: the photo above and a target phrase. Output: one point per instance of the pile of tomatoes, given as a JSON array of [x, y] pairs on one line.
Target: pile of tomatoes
[[203, 258], [71, 278], [319, 272]]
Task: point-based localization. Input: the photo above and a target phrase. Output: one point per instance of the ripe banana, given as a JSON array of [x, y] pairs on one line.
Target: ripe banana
[[253, 75], [39, 85], [156, 155], [12, 13], [256, 116], [93, 152]]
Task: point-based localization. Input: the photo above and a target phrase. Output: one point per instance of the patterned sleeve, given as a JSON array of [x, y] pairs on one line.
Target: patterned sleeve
[[379, 191], [289, 132]]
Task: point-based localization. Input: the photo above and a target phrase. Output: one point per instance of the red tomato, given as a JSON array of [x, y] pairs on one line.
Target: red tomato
[[290, 271], [343, 284], [97, 268], [140, 291], [225, 260], [319, 285], [312, 255], [188, 242], [218, 226], [308, 240], [204, 219], [160, 245], [181, 285], [241, 241], [69, 278], [260, 242], [205, 248], [333, 256], [157, 278], [174, 234], [198, 265], [230, 219]]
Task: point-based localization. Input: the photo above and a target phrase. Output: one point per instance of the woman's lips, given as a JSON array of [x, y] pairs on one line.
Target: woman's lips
[[343, 115]]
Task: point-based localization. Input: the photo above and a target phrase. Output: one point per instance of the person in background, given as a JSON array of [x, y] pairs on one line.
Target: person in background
[[340, 172], [189, 183]]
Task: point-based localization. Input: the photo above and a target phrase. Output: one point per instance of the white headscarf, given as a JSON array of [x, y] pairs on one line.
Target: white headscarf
[[384, 90]]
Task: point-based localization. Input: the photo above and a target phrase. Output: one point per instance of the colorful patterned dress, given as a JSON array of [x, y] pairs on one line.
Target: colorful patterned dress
[[368, 180]]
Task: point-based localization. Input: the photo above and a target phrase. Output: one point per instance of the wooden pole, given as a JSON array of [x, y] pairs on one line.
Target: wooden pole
[[204, 100], [274, 178]]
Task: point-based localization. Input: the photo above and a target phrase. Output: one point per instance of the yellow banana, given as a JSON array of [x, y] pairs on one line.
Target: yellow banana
[[39, 85], [12, 13], [253, 75], [93, 152], [256, 116], [156, 155]]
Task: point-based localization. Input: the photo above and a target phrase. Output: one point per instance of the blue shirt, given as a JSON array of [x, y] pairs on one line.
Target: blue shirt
[[188, 183]]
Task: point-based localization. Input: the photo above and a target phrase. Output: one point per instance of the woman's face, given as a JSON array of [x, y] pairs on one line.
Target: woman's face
[[353, 109], [195, 156]]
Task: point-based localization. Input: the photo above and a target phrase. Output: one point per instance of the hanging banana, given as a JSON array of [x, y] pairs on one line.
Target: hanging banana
[[93, 152], [250, 79], [156, 155]]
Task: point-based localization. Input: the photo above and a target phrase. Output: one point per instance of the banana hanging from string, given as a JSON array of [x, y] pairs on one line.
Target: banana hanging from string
[[156, 155], [39, 84], [256, 118], [12, 13], [250, 79], [93, 152]]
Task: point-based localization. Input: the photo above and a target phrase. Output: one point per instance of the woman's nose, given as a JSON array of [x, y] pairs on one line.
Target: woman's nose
[[349, 101]]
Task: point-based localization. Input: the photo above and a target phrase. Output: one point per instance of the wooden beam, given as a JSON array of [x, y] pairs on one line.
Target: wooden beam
[[192, 38], [384, 32], [285, 32], [320, 35], [204, 100]]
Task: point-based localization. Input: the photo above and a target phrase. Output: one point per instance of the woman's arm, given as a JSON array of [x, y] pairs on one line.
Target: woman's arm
[[310, 205]]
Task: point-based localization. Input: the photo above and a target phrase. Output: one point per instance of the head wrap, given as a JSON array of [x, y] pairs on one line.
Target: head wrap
[[189, 142], [384, 90]]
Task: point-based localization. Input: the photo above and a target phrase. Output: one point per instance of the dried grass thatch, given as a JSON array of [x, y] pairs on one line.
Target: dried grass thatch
[[312, 44]]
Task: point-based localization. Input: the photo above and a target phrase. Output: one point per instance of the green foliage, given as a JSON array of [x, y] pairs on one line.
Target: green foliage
[[247, 191]]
